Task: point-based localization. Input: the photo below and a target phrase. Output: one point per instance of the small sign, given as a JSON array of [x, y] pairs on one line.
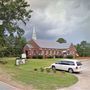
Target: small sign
[[23, 56]]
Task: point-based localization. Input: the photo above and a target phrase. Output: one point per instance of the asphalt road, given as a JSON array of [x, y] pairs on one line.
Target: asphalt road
[[4, 86], [84, 78]]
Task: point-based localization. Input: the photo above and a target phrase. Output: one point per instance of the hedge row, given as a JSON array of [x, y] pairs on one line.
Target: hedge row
[[41, 57]]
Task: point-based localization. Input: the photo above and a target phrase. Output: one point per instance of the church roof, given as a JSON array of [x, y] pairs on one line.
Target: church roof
[[29, 45], [51, 44], [47, 44]]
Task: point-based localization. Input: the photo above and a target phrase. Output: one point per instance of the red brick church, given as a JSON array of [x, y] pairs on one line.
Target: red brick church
[[36, 47]]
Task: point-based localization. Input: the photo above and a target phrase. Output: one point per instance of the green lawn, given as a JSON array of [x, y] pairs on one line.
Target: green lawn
[[39, 80]]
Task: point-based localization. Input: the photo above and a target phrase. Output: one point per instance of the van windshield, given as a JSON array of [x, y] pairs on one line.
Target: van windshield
[[79, 63]]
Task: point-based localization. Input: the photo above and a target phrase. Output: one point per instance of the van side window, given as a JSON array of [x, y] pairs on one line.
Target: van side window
[[67, 63], [71, 63], [64, 63]]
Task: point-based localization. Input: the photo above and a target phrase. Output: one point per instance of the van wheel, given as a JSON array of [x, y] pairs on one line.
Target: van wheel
[[53, 67], [70, 70]]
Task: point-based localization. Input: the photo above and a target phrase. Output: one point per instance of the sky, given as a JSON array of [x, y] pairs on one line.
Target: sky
[[53, 19]]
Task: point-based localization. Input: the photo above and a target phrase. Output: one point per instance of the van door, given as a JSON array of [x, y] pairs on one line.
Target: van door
[[62, 65]]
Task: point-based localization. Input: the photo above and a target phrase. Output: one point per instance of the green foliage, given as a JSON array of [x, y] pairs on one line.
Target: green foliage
[[2, 41], [40, 56], [3, 62], [83, 49], [61, 56], [35, 57], [69, 56], [48, 70], [50, 57], [56, 56], [61, 40], [35, 69], [42, 69], [14, 48], [11, 13], [83, 43]]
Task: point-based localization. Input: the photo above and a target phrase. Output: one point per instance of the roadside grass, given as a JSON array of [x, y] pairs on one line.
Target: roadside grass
[[39, 80]]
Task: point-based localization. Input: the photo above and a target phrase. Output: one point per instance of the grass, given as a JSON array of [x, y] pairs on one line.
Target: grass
[[39, 80]]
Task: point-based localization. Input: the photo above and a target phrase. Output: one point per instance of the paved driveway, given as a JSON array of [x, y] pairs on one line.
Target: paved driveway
[[84, 78], [4, 86]]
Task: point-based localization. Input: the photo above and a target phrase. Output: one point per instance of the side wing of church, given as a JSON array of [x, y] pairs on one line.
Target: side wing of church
[[36, 47]]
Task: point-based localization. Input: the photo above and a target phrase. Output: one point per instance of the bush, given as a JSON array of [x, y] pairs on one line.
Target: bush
[[47, 70], [42, 69], [61, 56], [69, 56], [35, 69], [40, 56], [56, 56], [50, 57], [34, 57], [3, 62], [37, 57]]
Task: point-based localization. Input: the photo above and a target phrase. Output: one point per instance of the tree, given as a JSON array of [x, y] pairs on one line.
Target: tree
[[83, 43], [61, 40], [83, 48], [11, 12], [14, 47], [2, 41]]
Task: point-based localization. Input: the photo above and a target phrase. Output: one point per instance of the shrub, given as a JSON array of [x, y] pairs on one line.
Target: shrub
[[61, 56], [37, 57], [42, 69], [34, 57], [47, 70], [3, 62], [69, 56], [40, 56], [56, 56], [35, 69], [50, 57]]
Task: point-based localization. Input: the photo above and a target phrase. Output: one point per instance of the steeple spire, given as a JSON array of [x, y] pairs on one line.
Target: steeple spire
[[34, 34]]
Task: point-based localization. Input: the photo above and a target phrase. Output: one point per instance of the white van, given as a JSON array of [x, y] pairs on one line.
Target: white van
[[70, 65]]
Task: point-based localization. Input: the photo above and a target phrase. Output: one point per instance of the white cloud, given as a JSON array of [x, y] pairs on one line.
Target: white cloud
[[60, 17]]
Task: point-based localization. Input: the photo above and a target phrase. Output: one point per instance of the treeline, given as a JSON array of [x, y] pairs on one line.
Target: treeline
[[13, 47], [83, 49]]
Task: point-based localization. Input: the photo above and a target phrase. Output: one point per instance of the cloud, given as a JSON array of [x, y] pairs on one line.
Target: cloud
[[57, 18]]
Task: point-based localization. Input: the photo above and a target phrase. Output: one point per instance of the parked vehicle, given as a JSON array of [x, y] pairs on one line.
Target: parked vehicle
[[70, 65]]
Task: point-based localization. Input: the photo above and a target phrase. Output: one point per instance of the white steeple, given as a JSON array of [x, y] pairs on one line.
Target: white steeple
[[34, 34]]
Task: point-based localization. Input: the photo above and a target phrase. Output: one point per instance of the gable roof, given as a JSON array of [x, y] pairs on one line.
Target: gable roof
[[29, 45], [51, 44]]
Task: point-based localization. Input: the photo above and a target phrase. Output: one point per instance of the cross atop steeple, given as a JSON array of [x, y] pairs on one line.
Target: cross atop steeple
[[34, 34]]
